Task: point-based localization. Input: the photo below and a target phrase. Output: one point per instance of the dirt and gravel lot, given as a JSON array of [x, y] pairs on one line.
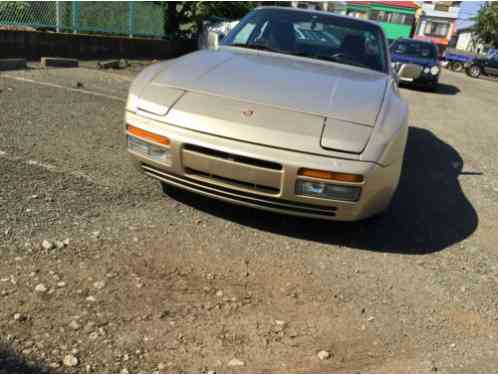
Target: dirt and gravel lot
[[99, 272]]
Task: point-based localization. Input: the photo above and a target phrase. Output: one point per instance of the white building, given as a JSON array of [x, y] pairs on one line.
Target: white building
[[437, 22], [468, 41]]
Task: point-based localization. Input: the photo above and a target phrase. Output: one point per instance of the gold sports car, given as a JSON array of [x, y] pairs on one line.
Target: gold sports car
[[294, 111]]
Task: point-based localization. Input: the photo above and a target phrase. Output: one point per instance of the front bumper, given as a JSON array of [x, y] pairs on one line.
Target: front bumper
[[426, 79], [414, 74], [260, 176]]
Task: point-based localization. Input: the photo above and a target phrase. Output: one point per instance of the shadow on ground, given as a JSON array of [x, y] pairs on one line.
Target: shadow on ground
[[441, 89], [445, 89], [429, 211], [11, 363]]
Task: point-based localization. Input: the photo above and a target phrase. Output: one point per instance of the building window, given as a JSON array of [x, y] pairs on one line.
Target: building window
[[437, 29], [378, 15], [442, 7], [391, 17], [358, 14]]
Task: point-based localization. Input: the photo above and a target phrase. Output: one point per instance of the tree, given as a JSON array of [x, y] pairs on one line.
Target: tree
[[487, 23], [185, 18]]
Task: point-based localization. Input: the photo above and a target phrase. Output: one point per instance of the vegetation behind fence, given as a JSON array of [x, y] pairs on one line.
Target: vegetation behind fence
[[119, 17]]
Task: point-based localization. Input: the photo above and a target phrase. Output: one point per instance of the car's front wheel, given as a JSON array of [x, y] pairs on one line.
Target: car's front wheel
[[168, 189], [457, 66], [474, 71]]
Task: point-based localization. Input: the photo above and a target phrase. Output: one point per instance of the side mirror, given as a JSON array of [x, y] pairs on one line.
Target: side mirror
[[213, 40]]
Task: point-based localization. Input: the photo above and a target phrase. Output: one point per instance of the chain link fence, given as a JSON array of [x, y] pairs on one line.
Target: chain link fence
[[134, 19]]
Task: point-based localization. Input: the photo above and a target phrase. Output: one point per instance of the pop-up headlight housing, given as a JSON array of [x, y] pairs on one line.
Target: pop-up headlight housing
[[149, 96], [345, 136]]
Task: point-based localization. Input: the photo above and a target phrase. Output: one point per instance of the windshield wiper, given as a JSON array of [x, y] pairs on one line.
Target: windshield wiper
[[338, 57], [261, 47]]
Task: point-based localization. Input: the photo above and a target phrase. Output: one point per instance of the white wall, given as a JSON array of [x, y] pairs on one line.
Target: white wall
[[467, 42], [464, 41], [426, 19], [429, 10]]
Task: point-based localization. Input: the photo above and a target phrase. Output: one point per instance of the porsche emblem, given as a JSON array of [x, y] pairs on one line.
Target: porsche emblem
[[248, 113]]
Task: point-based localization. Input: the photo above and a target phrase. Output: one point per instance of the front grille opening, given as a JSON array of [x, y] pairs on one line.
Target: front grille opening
[[237, 158], [237, 183], [242, 197]]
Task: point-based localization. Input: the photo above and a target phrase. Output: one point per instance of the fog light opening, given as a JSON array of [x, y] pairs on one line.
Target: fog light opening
[[328, 191], [156, 153]]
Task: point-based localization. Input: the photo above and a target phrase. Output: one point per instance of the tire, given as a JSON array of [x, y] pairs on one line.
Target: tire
[[457, 67], [474, 71], [164, 188], [169, 190]]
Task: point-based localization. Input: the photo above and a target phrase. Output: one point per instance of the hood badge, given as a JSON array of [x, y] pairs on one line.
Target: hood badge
[[248, 113]]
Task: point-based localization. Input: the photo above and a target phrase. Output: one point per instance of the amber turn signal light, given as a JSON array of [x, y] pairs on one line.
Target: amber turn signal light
[[148, 135], [326, 175]]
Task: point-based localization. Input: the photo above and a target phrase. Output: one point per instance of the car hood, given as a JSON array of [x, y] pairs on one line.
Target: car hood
[[413, 60], [325, 89]]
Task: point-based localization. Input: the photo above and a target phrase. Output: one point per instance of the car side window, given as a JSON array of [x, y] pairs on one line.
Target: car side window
[[372, 45], [400, 48], [244, 34], [425, 52], [260, 34]]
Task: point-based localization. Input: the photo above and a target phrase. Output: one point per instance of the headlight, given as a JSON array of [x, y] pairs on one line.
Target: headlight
[[435, 70], [427, 70], [328, 191], [157, 153]]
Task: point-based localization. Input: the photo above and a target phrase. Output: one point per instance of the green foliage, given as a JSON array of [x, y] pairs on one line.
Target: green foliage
[[172, 18], [186, 17], [487, 23], [146, 18], [104, 15], [9, 9], [27, 12], [231, 10]]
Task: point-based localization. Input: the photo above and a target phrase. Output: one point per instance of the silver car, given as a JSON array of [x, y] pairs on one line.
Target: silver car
[[295, 111]]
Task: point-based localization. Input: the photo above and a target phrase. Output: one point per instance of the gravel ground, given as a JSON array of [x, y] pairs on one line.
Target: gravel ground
[[99, 272]]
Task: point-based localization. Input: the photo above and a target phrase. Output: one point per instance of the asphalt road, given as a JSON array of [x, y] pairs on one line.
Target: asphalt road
[[151, 283]]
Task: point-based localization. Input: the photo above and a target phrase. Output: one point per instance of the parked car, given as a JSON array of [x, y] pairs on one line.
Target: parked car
[[275, 118], [456, 59], [487, 65], [416, 62]]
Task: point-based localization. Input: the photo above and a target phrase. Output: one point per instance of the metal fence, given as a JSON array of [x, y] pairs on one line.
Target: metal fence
[[144, 19]]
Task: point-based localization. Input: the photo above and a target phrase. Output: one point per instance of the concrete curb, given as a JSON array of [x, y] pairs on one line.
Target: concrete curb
[[59, 62], [113, 64], [13, 64]]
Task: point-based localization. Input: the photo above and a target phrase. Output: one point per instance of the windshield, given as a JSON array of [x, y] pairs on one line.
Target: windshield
[[491, 53], [415, 49], [308, 34]]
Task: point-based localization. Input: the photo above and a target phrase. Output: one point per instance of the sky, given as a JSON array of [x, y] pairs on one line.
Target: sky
[[468, 9]]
